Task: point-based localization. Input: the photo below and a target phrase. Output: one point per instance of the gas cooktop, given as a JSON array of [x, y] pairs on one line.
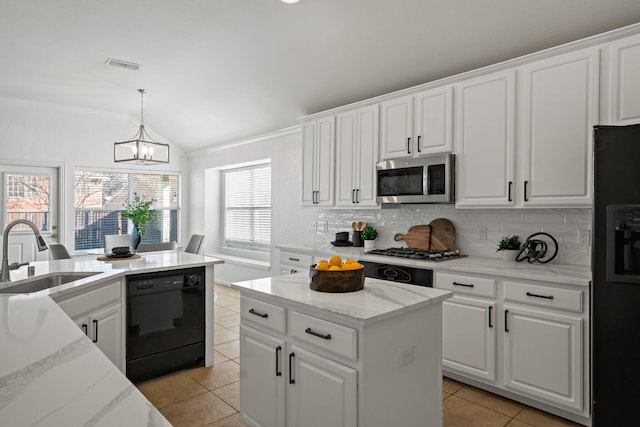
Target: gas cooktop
[[420, 254]]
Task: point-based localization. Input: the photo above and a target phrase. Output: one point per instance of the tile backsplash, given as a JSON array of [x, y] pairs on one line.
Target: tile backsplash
[[564, 225]]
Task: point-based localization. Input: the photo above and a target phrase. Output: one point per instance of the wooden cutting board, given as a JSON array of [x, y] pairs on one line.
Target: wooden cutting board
[[417, 237], [443, 235]]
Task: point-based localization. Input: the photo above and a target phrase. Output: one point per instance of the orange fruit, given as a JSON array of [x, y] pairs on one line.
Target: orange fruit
[[335, 261], [335, 267], [352, 266], [349, 261], [323, 266]]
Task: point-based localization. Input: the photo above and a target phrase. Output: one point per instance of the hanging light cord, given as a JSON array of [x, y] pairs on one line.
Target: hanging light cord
[[142, 92]]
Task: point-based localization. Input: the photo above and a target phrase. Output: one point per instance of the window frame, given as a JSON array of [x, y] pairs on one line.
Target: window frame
[[130, 174], [243, 252]]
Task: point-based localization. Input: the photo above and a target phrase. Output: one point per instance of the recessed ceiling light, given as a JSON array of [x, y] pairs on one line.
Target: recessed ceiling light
[[123, 64], [290, 1]]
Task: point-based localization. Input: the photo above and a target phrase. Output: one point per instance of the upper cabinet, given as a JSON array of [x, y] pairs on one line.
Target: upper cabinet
[[622, 106], [559, 107], [558, 103], [417, 125], [357, 145], [318, 145], [485, 115]]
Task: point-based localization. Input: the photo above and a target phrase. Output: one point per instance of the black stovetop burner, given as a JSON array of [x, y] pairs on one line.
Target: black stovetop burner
[[421, 254]]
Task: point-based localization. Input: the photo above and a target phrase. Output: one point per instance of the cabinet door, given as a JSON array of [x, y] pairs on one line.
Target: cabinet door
[[308, 164], [433, 121], [623, 85], [262, 387], [346, 155], [396, 128], [105, 330], [560, 107], [367, 136], [322, 392], [325, 143], [543, 356], [485, 114], [468, 337]]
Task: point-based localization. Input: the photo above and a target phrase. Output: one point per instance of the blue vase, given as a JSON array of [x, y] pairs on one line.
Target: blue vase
[[135, 238]]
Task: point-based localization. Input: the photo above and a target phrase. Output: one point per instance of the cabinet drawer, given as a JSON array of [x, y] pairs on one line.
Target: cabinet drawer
[[90, 300], [296, 260], [326, 335], [263, 313], [466, 284], [546, 296]]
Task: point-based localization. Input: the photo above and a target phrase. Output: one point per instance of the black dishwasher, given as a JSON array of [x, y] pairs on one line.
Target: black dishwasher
[[165, 322]]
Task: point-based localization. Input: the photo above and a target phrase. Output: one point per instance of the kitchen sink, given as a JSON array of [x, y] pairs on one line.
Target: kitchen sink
[[46, 282]]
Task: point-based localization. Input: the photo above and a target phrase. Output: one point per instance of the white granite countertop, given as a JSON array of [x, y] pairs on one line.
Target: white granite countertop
[[113, 269], [51, 374], [380, 299], [550, 272]]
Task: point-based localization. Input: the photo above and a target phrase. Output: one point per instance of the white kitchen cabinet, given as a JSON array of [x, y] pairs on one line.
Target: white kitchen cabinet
[[560, 107], [98, 312], [468, 337], [357, 134], [318, 142], [325, 391], [291, 263], [623, 83], [263, 383], [543, 354], [417, 125], [485, 141]]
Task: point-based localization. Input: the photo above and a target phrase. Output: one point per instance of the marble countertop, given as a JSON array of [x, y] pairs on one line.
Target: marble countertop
[[378, 300], [52, 374], [550, 273], [107, 270]]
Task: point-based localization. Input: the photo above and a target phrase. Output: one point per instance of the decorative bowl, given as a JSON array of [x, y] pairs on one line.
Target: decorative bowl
[[336, 281], [121, 250]]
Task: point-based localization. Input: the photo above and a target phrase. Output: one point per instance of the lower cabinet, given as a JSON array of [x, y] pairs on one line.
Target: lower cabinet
[[469, 337], [98, 312], [292, 263], [531, 339]]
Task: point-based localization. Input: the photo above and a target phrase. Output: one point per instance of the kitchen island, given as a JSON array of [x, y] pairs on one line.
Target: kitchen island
[[366, 358], [51, 371]]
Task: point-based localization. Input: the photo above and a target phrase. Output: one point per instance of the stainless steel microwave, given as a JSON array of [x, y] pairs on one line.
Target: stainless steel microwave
[[429, 179]]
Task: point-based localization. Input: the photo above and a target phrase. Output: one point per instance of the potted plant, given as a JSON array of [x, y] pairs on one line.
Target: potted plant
[[510, 246], [140, 213], [369, 234]]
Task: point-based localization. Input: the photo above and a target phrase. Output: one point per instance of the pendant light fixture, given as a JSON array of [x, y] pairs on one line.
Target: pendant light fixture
[[141, 149]]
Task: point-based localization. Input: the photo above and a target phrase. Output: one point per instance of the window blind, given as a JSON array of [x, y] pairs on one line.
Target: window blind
[[247, 217]]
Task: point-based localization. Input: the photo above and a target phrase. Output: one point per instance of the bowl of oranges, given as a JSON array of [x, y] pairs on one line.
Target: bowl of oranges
[[334, 275]]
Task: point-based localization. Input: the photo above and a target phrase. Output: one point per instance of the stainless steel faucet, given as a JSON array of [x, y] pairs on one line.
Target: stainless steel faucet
[[5, 246]]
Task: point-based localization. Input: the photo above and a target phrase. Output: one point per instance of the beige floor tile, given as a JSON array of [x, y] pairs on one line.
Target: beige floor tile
[[227, 299], [228, 321], [451, 386], [219, 312], [445, 395], [219, 358], [222, 335], [458, 412], [538, 418], [230, 349], [230, 393], [170, 389], [516, 423], [217, 375], [231, 421], [224, 289], [235, 329], [198, 411], [489, 400], [235, 308]]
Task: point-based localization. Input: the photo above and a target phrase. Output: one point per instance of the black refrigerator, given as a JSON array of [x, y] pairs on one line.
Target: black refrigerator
[[615, 290]]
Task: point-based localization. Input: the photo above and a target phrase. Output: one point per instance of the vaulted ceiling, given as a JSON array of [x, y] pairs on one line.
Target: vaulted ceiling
[[221, 70]]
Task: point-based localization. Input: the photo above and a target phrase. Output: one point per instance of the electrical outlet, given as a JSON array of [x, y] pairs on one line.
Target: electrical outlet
[[322, 226], [312, 226], [584, 237], [406, 355], [482, 232]]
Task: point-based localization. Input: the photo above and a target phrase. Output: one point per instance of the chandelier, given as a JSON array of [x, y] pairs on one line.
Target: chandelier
[[141, 149]]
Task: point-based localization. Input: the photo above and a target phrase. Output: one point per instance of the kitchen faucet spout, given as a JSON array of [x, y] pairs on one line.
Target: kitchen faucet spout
[[4, 275]]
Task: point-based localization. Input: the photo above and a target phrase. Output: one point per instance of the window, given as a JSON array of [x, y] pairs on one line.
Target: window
[[99, 202], [247, 208], [28, 197]]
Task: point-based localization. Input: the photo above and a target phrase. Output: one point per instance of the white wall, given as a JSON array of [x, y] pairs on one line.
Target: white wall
[[41, 134], [288, 218]]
